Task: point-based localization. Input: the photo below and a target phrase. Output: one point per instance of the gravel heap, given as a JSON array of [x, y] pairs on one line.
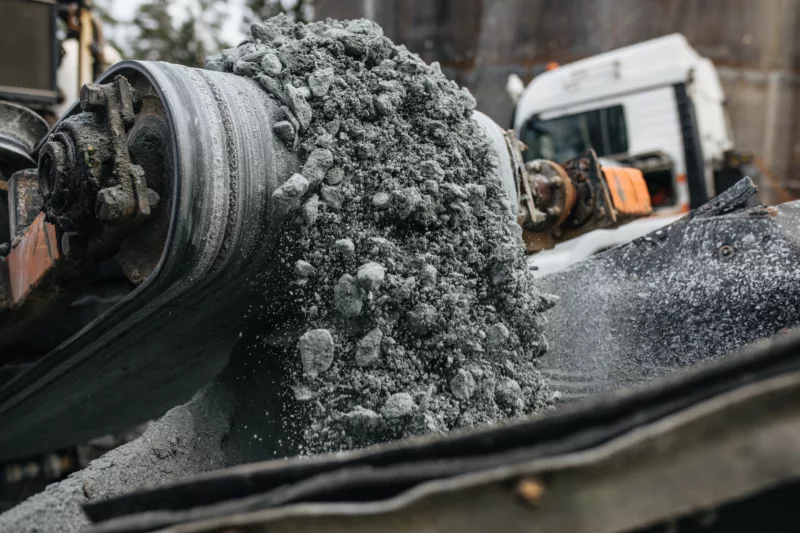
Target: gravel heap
[[420, 313]]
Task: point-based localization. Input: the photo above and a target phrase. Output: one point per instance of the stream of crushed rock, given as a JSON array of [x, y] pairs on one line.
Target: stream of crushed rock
[[420, 314]]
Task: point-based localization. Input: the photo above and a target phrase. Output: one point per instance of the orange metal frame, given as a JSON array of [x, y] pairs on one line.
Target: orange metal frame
[[32, 258], [628, 191]]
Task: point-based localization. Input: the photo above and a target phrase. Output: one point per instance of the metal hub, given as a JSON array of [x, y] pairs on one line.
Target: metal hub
[[92, 189]]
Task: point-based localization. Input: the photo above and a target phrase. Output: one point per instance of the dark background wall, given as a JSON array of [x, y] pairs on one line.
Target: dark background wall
[[480, 42]]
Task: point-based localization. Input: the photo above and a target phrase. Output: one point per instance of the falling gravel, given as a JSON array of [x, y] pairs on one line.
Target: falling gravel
[[419, 314]]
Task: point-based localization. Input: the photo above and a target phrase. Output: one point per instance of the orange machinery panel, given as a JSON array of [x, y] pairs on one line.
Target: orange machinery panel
[[32, 258], [628, 191]]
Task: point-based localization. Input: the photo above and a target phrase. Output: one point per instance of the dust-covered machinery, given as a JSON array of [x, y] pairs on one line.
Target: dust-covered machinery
[[135, 239], [150, 200]]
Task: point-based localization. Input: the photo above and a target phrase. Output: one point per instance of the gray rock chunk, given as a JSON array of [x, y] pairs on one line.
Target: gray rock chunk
[[333, 196], [453, 192], [305, 92], [317, 165], [264, 32], [215, 63], [468, 99], [391, 86], [345, 247], [497, 336], [302, 393], [285, 132], [364, 27], [430, 187], [347, 297], [399, 405], [382, 245], [272, 86], [424, 423], [429, 275], [254, 56], [304, 269], [316, 351], [362, 419], [432, 87], [320, 81], [405, 201], [407, 288], [310, 211], [386, 104], [334, 176], [422, 319], [462, 385], [365, 151], [291, 118], [370, 276], [432, 170], [246, 68], [288, 196], [299, 106], [271, 65], [507, 392], [368, 349], [229, 57], [354, 45], [380, 200], [476, 193], [294, 60]]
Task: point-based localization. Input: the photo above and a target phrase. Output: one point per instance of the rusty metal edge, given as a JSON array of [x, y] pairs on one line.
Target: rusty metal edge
[[731, 446], [32, 258]]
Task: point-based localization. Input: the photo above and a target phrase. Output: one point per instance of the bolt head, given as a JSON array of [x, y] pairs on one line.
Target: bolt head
[[93, 98], [112, 204], [726, 250]]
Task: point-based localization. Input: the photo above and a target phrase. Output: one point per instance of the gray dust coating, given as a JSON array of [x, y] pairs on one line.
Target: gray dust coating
[[183, 443], [404, 254], [698, 289]]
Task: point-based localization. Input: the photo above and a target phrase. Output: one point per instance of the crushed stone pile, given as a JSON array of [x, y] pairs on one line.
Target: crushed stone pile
[[420, 312]]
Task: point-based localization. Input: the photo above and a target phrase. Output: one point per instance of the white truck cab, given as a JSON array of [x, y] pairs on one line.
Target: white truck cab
[[656, 105]]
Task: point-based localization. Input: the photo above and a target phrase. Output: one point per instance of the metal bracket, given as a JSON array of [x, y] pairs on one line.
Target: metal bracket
[[89, 183]]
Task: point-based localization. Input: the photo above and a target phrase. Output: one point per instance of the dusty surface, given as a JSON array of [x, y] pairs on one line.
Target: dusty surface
[[185, 442], [690, 292], [403, 251]]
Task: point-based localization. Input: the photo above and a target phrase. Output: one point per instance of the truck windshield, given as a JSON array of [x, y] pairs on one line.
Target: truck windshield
[[562, 138]]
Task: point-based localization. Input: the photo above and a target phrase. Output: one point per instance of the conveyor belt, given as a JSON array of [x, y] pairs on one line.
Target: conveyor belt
[[155, 348]]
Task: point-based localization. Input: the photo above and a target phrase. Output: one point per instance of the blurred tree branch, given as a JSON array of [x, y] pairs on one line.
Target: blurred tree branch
[[156, 34]]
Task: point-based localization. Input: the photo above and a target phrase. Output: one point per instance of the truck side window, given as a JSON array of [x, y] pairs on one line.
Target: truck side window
[[565, 137]]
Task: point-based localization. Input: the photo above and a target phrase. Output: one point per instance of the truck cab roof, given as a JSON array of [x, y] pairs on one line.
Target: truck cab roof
[[659, 62]]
